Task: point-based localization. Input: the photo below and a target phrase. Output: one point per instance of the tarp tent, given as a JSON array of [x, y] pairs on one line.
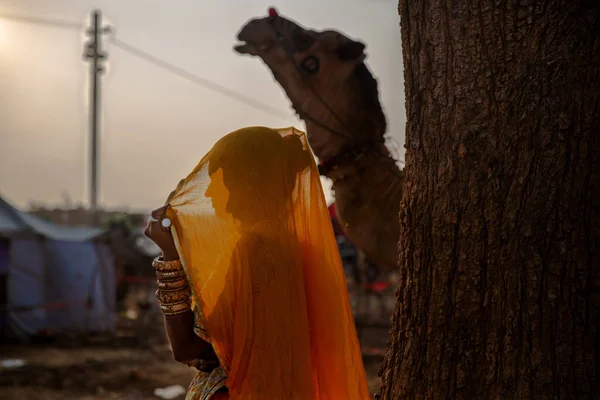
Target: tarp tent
[[55, 278]]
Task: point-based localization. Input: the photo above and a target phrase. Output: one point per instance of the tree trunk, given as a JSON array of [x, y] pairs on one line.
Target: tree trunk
[[499, 248]]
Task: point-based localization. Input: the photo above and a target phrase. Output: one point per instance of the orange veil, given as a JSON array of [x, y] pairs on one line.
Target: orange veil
[[253, 232]]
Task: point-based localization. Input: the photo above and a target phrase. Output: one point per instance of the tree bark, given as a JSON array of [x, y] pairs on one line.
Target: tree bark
[[500, 231]]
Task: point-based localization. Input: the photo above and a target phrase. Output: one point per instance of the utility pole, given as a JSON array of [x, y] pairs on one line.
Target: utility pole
[[93, 53]]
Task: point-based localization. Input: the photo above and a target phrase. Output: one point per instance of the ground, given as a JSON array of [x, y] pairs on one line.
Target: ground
[[122, 367]]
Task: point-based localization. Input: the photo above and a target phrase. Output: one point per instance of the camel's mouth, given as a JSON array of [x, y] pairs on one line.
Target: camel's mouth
[[252, 48]]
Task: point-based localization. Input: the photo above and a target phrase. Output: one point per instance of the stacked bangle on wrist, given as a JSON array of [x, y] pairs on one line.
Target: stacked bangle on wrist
[[173, 291], [160, 265], [170, 276]]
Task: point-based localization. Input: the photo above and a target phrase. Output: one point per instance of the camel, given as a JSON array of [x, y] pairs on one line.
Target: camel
[[324, 75]]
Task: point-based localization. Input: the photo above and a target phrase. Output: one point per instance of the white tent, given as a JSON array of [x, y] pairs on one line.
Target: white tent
[[53, 277]]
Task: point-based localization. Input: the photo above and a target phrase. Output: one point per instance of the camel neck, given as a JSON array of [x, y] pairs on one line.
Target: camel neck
[[351, 157]]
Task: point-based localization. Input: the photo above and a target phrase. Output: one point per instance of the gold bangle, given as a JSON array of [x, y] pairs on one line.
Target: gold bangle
[[173, 296], [176, 309], [159, 264], [170, 276], [172, 285]]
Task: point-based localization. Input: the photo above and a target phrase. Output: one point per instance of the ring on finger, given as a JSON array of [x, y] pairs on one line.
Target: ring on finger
[[165, 223]]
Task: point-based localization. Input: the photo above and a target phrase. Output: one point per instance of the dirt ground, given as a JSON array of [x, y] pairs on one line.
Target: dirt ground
[[119, 368]]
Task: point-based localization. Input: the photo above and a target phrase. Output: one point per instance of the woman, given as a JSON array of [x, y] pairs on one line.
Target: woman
[[250, 276]]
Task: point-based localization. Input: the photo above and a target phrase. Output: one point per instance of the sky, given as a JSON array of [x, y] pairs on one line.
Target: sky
[[155, 126]]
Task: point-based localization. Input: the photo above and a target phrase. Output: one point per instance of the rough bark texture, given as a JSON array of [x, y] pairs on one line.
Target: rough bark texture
[[499, 245]]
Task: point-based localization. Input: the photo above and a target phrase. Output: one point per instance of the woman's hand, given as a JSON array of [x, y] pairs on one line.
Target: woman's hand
[[160, 235], [209, 361]]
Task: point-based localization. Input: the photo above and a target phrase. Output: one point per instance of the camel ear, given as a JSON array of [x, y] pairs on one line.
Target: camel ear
[[350, 51]]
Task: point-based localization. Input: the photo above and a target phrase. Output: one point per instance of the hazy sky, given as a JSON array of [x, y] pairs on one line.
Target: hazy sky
[[155, 125]]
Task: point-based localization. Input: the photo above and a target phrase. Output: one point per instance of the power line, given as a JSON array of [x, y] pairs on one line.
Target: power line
[[202, 81], [56, 23], [208, 84]]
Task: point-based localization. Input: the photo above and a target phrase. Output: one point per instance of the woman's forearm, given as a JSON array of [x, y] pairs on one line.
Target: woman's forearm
[[174, 296], [185, 344]]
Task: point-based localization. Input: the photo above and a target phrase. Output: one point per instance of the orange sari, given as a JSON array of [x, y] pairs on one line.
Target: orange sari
[[253, 232]]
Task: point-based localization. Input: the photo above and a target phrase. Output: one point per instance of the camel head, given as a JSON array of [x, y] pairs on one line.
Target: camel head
[[324, 75]]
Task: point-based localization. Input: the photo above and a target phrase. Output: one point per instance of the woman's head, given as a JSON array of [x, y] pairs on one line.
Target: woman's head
[[254, 172]]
